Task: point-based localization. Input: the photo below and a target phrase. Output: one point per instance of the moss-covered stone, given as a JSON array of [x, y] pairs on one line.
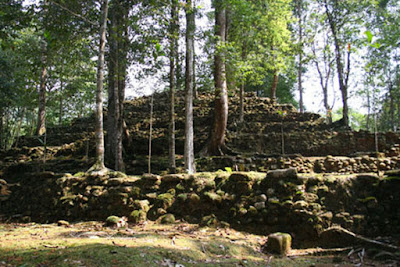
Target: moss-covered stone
[[213, 197], [141, 205], [210, 221], [165, 200], [138, 216], [112, 220], [167, 219], [278, 243]]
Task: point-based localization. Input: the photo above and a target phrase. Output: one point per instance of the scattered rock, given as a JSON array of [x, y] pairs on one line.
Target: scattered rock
[[62, 223], [167, 219], [278, 243]]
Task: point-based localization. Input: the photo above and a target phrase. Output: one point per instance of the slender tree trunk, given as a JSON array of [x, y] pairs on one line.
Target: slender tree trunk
[[368, 109], [150, 133], [324, 81], [300, 70], [343, 81], [1, 128], [41, 121], [274, 85], [217, 141], [241, 103], [99, 165], [391, 97], [242, 87], [60, 117], [173, 36], [189, 85], [18, 130]]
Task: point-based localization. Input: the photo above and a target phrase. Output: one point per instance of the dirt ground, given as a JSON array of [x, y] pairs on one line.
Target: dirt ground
[[150, 244]]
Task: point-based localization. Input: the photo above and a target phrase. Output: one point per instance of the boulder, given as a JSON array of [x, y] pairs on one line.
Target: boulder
[[278, 243]]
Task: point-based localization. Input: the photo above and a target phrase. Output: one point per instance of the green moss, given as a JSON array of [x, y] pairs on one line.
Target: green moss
[[182, 197], [79, 174], [166, 200], [180, 187], [137, 216], [171, 191], [167, 219], [392, 178], [367, 199], [116, 174], [214, 197], [252, 211], [112, 220], [135, 192], [210, 220]]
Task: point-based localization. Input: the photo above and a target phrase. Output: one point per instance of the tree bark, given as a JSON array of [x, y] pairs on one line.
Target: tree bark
[[343, 81], [189, 86], [116, 87], [18, 129], [173, 37], [150, 134], [217, 140], [324, 84], [99, 134], [60, 116], [41, 121], [391, 103], [274, 85], [241, 103], [1, 128], [300, 85]]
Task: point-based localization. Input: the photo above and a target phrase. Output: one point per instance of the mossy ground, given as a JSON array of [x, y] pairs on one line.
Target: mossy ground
[[180, 244]]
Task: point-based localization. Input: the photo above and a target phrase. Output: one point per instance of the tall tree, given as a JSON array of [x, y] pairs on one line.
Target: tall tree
[[99, 164], [117, 66], [216, 145], [337, 12], [41, 121], [189, 87], [299, 8], [173, 45]]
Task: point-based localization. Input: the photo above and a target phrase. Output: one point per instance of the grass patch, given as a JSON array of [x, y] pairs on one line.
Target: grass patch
[[91, 244]]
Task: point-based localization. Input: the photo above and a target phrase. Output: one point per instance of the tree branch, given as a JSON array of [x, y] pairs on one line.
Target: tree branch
[[75, 14]]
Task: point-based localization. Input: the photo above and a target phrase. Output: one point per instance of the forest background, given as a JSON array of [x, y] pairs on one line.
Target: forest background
[[318, 55]]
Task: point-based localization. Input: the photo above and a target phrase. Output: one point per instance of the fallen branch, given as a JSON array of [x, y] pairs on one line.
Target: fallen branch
[[355, 239]]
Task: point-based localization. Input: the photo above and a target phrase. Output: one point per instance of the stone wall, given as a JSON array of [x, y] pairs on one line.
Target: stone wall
[[280, 200]]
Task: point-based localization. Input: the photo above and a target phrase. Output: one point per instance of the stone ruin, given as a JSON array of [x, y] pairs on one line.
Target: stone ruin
[[329, 175], [310, 145]]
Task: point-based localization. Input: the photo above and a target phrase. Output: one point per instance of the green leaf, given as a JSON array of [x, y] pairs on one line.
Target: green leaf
[[369, 36]]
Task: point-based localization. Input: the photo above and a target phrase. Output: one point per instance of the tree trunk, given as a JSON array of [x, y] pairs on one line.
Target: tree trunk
[[60, 117], [368, 109], [41, 121], [274, 85], [343, 81], [300, 71], [150, 134], [99, 164], [173, 36], [391, 99], [116, 87], [217, 141], [241, 103], [1, 128], [18, 129], [112, 112], [189, 86]]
